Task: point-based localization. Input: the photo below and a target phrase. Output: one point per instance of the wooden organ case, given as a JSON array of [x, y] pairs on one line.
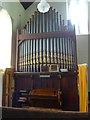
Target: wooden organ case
[[46, 61]]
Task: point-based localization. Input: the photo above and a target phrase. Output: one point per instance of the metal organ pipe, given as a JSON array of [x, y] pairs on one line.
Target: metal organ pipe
[[35, 53]]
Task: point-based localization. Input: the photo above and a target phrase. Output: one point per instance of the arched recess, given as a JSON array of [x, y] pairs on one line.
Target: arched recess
[[5, 39]]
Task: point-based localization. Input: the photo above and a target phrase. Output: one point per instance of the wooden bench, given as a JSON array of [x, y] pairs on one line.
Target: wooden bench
[[45, 98]]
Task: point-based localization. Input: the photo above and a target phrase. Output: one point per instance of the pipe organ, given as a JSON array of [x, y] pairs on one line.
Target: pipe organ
[[45, 41], [57, 47]]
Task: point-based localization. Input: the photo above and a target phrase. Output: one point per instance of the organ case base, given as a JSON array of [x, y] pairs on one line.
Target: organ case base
[[65, 82]]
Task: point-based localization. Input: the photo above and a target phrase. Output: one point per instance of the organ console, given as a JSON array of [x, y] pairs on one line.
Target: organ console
[[46, 42]]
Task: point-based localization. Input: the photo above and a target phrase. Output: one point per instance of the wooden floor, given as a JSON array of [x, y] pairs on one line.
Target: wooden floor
[[34, 112]]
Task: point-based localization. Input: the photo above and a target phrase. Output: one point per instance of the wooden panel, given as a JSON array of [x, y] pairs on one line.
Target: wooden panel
[[65, 82], [49, 98], [69, 90], [8, 87], [33, 81], [33, 112]]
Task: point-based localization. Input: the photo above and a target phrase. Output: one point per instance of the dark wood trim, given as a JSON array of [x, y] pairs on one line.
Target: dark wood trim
[[45, 35], [33, 112], [46, 73]]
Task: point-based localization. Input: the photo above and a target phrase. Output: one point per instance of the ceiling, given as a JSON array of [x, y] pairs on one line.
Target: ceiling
[[26, 4]]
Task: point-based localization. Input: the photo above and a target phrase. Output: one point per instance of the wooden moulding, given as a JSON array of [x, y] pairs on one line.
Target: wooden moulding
[[8, 87], [45, 35], [33, 112], [31, 74]]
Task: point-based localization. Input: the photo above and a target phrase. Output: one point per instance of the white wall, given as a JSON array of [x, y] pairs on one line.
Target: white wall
[[82, 52], [82, 49], [89, 62], [14, 9], [59, 6], [89, 17], [89, 46]]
